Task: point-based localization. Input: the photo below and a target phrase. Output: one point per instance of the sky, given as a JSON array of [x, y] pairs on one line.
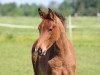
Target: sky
[[43, 2]]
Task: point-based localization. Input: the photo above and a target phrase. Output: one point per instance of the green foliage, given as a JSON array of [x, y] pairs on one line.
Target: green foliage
[[87, 7], [12, 9], [67, 7], [7, 9]]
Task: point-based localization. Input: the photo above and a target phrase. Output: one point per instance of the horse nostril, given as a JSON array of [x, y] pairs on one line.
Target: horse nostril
[[40, 51]]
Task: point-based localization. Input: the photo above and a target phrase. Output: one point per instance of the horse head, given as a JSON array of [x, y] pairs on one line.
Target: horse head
[[50, 30]]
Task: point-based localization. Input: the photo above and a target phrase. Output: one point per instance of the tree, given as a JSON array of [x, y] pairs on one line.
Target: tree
[[86, 7], [53, 5], [65, 8], [8, 9]]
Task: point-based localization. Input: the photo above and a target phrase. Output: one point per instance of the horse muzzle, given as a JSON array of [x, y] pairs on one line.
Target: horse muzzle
[[40, 52]]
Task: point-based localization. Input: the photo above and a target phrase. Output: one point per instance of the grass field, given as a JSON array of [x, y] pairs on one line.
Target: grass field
[[16, 44]]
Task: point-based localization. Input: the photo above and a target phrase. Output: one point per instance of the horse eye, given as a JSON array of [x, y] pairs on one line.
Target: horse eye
[[50, 29]]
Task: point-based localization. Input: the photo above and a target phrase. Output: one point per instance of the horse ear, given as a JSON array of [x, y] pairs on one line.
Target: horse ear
[[50, 14], [42, 14]]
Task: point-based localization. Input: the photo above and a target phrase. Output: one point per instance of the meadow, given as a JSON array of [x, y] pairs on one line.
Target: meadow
[[16, 44]]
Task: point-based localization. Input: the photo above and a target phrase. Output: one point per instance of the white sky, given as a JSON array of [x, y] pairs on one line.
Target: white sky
[[44, 2]]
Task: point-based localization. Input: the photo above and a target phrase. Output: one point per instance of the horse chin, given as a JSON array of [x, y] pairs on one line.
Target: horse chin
[[45, 50], [44, 53]]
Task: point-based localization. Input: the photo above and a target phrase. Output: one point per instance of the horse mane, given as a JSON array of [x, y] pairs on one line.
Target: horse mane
[[60, 16]]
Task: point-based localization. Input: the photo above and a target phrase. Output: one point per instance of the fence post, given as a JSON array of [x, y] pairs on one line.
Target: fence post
[[70, 26]]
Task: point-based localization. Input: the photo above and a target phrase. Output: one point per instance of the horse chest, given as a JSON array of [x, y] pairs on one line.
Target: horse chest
[[58, 66], [43, 65]]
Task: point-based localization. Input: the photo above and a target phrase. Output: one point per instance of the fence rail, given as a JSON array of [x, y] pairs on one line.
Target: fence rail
[[69, 26], [16, 26], [34, 27]]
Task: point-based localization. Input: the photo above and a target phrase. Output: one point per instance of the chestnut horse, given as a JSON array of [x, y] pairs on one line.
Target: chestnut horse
[[52, 53]]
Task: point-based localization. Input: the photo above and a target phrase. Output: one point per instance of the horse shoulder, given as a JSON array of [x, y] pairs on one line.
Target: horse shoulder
[[34, 54]]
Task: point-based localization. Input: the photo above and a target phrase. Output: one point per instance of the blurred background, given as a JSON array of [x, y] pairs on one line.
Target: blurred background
[[66, 7], [19, 20]]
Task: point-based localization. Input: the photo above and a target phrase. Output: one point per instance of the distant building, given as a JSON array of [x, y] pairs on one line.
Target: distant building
[[76, 15], [98, 14]]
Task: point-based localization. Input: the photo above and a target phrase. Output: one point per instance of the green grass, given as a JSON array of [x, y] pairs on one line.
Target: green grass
[[86, 42], [20, 20], [15, 58], [16, 44]]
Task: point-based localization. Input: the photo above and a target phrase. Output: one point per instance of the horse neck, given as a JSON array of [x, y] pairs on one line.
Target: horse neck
[[63, 45]]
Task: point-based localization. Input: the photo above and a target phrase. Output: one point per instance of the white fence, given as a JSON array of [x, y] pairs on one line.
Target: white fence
[[69, 26], [15, 26]]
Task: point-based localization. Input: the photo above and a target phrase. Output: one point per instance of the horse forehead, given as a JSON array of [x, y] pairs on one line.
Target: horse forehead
[[44, 24]]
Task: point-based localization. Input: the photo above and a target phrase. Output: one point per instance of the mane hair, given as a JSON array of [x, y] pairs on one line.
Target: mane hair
[[61, 17]]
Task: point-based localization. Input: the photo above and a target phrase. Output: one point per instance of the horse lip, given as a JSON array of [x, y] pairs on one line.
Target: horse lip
[[36, 49], [44, 53]]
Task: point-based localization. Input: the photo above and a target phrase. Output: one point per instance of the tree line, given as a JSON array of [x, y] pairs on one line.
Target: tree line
[[67, 7]]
